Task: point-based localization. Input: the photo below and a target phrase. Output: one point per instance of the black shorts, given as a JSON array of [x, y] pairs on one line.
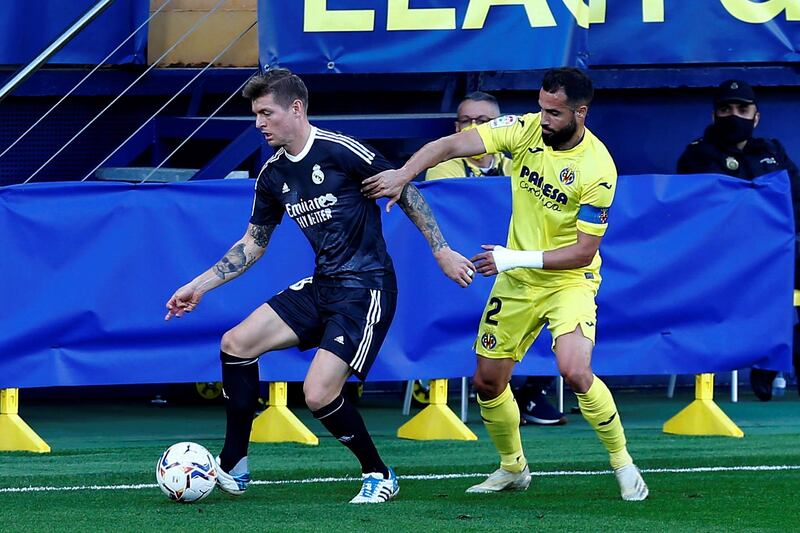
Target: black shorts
[[351, 323]]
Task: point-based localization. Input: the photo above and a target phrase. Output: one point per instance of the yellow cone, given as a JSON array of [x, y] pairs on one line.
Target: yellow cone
[[703, 416], [15, 434], [437, 421], [278, 423]]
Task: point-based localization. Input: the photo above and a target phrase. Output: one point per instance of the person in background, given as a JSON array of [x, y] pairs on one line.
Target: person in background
[[729, 147], [475, 109]]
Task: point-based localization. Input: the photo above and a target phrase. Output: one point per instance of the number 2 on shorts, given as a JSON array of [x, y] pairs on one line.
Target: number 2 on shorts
[[498, 304]]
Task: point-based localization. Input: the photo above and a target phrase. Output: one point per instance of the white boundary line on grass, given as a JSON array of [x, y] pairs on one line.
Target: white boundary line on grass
[[759, 468]]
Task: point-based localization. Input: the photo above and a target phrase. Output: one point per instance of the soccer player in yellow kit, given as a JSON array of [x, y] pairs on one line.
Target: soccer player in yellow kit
[[563, 185]]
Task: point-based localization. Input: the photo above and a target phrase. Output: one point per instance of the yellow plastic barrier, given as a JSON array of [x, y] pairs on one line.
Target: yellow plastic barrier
[[436, 421], [703, 416], [278, 423], [15, 434]]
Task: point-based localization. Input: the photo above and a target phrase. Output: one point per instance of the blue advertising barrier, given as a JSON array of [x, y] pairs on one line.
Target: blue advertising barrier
[[704, 31], [362, 36], [697, 278], [27, 28], [318, 36]]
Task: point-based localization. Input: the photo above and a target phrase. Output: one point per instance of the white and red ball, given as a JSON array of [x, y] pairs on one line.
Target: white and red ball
[[186, 472]]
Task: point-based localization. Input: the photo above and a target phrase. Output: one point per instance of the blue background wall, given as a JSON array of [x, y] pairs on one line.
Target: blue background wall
[[645, 128]]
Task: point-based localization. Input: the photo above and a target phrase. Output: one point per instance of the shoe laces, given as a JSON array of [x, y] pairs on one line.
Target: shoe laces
[[370, 485]]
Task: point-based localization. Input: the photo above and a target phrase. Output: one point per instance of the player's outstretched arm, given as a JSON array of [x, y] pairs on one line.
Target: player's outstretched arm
[[454, 265], [390, 183], [239, 258], [498, 258]]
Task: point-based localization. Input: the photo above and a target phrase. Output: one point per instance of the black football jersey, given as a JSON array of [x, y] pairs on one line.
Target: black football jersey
[[320, 189]]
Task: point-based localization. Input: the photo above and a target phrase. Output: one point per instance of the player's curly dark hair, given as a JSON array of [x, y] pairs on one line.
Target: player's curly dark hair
[[576, 84], [284, 87]]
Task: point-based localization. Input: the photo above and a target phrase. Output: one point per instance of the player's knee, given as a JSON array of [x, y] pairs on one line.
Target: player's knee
[[578, 377], [233, 343], [487, 387], [316, 396]]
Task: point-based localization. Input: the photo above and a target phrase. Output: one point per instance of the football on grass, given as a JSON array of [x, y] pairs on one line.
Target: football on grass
[[186, 472]]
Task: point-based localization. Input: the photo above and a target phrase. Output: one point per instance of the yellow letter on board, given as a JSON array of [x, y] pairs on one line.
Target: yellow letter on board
[[539, 14], [761, 12], [652, 10], [317, 18], [402, 17]]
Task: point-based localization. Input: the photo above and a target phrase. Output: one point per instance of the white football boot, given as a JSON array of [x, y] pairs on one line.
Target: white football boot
[[237, 480], [377, 489], [501, 479], [631, 485]]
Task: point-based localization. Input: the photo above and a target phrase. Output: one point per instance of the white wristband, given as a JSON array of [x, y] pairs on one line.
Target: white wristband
[[506, 259]]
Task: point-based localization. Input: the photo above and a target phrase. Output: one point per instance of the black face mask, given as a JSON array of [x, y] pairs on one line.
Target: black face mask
[[733, 129]]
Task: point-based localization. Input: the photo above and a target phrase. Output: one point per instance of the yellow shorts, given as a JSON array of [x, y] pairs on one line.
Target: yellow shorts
[[516, 312]]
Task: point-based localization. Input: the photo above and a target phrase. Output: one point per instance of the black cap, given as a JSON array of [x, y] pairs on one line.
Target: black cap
[[734, 91]]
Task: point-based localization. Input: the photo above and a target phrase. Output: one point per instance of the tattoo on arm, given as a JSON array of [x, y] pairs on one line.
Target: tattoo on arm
[[418, 210], [241, 257], [234, 262], [261, 235]]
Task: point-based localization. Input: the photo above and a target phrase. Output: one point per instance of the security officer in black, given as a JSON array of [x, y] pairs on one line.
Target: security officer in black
[[728, 147]]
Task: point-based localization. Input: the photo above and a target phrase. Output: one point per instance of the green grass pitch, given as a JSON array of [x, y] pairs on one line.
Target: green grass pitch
[[114, 444]]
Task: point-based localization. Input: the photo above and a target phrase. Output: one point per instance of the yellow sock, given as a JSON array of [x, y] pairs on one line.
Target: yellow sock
[[501, 417], [598, 408]]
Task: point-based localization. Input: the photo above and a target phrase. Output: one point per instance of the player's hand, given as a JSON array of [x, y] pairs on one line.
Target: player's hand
[[183, 301], [387, 184], [484, 261], [455, 266]]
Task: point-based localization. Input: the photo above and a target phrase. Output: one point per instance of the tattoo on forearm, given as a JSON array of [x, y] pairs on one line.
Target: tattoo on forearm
[[240, 257], [233, 263], [261, 235], [418, 210]]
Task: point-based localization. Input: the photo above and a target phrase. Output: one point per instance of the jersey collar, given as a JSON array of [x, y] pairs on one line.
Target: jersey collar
[[299, 157]]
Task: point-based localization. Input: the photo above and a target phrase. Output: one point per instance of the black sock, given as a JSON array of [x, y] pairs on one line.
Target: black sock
[[342, 420], [240, 386]]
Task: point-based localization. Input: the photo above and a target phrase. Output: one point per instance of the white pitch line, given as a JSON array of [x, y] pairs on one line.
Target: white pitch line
[[758, 468]]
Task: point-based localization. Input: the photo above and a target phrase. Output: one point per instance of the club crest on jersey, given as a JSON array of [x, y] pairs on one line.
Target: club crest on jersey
[[603, 215], [317, 176], [567, 176], [488, 341], [504, 121]]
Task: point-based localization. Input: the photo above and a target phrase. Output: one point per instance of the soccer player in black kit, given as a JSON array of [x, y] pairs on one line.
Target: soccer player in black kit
[[345, 309]]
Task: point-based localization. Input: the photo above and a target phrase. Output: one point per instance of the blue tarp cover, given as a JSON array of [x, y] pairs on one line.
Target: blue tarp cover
[[697, 277]]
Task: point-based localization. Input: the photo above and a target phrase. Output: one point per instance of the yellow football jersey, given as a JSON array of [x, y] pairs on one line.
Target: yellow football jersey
[[555, 193], [464, 167]]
